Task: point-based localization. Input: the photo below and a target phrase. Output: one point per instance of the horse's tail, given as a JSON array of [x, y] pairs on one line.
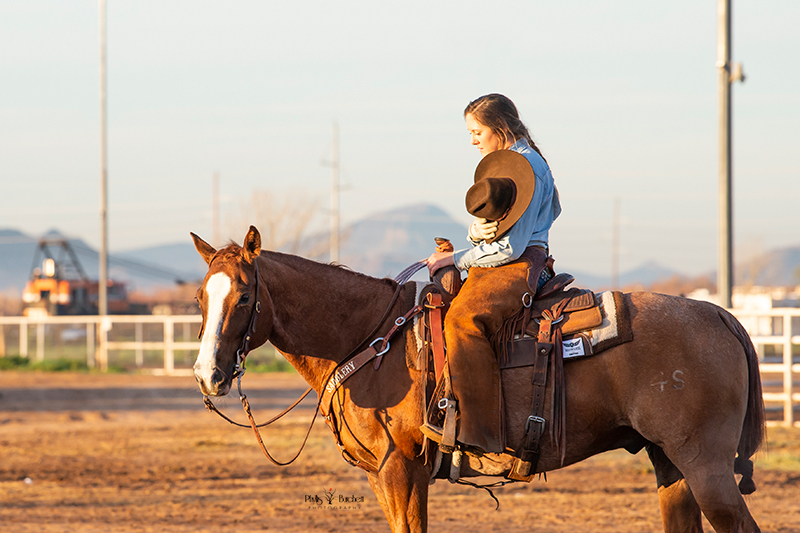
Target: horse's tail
[[754, 426]]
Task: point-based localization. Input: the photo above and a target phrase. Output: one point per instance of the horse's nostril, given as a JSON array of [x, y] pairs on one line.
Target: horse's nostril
[[217, 377]]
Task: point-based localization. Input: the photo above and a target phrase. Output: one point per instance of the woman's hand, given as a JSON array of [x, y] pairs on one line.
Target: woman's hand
[[439, 260], [482, 229]]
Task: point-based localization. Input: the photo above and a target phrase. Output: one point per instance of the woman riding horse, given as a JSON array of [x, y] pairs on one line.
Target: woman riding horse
[[515, 201]]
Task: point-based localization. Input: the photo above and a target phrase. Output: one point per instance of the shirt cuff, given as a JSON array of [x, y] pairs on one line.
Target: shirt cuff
[[461, 259]]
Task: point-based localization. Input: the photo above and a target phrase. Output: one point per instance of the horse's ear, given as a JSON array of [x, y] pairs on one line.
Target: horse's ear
[[204, 249], [252, 244]]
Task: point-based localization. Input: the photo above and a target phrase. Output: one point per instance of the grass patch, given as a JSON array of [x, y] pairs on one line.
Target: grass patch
[[62, 364], [276, 365], [782, 451], [14, 362]]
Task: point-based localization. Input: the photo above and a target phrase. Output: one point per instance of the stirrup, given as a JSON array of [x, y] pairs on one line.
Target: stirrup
[[432, 432]]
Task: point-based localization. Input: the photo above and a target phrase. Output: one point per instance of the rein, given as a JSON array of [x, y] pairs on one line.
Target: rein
[[240, 369], [238, 373]]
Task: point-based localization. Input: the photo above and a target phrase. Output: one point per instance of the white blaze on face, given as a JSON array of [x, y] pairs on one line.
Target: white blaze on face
[[217, 289]]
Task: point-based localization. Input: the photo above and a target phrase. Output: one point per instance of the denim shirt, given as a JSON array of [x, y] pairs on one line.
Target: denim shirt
[[532, 228]]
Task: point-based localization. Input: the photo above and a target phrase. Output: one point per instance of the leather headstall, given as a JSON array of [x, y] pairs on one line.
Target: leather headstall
[[244, 348]]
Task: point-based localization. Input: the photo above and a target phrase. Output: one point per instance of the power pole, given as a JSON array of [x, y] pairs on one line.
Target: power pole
[[335, 195], [615, 246], [727, 73], [102, 304], [215, 209]]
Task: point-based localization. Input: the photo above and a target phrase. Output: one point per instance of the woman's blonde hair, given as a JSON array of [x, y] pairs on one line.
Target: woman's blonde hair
[[499, 114]]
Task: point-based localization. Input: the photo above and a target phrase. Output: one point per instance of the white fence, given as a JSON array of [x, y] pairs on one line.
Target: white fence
[[100, 338], [771, 331]]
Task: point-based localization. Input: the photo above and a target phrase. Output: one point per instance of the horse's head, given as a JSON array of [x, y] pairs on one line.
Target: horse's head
[[228, 299]]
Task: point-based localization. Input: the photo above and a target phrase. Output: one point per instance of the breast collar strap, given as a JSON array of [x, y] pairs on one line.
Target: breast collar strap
[[333, 382]]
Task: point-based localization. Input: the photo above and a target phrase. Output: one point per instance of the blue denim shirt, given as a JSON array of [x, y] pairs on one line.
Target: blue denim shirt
[[532, 228]]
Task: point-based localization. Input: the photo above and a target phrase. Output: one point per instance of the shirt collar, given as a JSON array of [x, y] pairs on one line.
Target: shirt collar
[[520, 146]]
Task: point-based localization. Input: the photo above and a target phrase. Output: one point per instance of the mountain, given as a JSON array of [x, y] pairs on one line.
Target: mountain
[[166, 263], [643, 276], [381, 245], [16, 256], [776, 268], [144, 269], [384, 244]]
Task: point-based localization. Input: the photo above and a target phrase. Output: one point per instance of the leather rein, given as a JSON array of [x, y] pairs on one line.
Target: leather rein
[[331, 383]]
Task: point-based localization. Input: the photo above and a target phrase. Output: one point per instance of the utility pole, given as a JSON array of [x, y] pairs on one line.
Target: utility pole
[[102, 304], [101, 356], [215, 209], [727, 73], [335, 195], [615, 246]]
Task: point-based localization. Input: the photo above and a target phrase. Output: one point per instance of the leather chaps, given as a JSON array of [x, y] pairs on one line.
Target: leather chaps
[[488, 299]]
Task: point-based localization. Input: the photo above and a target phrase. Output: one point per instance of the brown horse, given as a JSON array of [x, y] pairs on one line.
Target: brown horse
[[687, 387]]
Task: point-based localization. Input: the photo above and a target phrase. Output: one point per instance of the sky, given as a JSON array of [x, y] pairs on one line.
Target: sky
[[620, 96]]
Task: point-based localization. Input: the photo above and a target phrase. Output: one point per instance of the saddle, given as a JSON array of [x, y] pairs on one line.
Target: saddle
[[535, 339]]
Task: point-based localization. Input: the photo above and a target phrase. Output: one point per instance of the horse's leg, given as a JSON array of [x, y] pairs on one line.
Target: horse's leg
[[706, 461], [715, 490], [704, 456], [692, 400], [679, 510], [402, 490]]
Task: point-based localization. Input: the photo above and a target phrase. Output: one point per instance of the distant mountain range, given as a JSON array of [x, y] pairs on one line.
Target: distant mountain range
[[145, 268], [381, 245]]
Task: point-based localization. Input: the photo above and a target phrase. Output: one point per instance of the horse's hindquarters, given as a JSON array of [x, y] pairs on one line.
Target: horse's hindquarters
[[681, 383], [684, 379]]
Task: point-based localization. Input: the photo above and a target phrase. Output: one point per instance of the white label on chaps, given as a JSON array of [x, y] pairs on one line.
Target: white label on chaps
[[573, 348]]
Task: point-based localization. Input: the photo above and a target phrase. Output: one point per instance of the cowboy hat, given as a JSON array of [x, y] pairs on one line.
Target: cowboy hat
[[504, 184]]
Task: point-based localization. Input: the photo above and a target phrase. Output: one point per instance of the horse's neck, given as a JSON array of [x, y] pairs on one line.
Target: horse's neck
[[321, 312]]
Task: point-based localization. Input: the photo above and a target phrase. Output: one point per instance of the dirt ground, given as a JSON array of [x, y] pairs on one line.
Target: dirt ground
[[125, 453]]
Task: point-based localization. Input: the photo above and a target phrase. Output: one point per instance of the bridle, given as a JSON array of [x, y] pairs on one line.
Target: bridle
[[239, 370], [244, 348], [238, 373]]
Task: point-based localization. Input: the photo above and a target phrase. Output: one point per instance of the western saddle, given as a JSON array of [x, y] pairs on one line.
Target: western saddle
[[554, 311]]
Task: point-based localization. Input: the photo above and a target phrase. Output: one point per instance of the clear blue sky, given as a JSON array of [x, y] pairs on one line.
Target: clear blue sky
[[621, 96]]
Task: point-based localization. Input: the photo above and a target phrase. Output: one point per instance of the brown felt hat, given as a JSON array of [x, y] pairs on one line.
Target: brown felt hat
[[504, 184]]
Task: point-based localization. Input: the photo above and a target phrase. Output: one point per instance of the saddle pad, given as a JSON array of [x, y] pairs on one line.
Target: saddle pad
[[615, 329]]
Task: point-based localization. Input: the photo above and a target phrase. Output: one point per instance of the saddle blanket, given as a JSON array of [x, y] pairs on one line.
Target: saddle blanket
[[613, 331]]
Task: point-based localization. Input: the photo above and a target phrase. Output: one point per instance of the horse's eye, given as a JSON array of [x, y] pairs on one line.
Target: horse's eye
[[243, 299]]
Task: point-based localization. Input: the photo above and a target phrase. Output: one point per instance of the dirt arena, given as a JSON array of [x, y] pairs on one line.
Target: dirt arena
[[125, 453]]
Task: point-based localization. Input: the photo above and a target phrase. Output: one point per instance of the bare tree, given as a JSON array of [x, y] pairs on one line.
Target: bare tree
[[283, 219]]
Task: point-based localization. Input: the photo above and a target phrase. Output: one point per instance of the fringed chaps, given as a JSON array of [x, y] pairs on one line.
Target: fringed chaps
[[488, 311]]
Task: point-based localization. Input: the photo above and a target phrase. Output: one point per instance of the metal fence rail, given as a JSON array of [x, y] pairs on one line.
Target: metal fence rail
[[770, 329], [771, 332], [100, 339]]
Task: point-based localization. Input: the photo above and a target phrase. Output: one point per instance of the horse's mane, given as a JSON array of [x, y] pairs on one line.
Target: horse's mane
[[315, 268]]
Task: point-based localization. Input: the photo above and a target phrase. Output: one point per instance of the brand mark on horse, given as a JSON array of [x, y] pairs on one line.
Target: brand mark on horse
[[678, 381], [677, 385]]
